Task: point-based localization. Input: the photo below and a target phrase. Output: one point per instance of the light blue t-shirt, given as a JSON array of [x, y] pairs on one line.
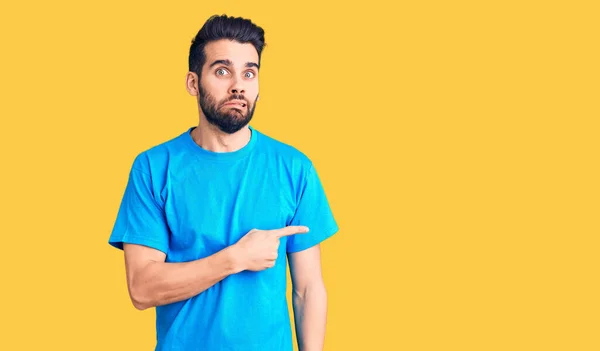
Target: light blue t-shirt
[[190, 203]]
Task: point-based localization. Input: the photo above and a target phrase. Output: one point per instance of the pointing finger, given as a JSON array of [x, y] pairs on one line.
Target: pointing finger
[[290, 230]]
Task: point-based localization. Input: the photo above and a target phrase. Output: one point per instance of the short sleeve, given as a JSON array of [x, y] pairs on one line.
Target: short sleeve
[[313, 211], [140, 219]]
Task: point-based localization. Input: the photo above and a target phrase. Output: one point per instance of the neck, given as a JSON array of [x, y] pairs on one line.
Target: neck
[[211, 138]]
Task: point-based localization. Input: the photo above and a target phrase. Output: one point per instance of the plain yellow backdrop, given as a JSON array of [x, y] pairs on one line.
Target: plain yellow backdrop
[[457, 143]]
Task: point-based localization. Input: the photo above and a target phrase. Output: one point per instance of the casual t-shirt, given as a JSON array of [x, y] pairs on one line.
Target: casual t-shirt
[[190, 203]]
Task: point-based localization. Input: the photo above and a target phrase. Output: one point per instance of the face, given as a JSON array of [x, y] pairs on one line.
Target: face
[[228, 87]]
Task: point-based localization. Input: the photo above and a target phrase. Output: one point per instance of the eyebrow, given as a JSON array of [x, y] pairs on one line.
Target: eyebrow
[[229, 63], [252, 64]]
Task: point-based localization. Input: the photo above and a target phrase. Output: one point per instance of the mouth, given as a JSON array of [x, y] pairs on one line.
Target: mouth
[[235, 103]]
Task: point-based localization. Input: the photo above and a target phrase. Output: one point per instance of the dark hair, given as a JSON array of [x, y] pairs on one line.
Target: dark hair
[[224, 27]]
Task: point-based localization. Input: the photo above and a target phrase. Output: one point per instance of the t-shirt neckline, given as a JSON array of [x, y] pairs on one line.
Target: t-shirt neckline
[[220, 156]]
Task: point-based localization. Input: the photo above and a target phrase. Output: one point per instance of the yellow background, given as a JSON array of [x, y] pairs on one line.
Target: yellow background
[[457, 143]]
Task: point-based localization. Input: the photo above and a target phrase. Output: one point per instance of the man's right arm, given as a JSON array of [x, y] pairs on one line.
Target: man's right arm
[[153, 282]]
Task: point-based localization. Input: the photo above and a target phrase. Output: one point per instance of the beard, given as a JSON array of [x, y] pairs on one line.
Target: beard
[[229, 120]]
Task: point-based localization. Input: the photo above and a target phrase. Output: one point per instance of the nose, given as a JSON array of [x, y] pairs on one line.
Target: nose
[[237, 87]]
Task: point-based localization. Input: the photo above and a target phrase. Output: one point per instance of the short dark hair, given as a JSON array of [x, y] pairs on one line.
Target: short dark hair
[[224, 27]]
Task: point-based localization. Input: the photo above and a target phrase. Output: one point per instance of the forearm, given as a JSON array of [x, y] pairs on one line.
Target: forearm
[[161, 283], [310, 315]]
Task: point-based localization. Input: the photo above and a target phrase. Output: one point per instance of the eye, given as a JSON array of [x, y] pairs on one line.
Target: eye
[[221, 72], [249, 74]]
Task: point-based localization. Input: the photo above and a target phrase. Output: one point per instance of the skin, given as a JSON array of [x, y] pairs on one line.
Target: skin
[[230, 72]]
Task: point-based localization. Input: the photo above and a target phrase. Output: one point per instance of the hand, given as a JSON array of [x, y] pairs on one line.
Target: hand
[[258, 249]]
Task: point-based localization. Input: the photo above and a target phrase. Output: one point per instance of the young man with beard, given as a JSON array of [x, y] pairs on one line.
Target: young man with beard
[[209, 217]]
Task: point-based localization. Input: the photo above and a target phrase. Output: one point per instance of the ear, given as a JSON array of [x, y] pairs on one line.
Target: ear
[[191, 83]]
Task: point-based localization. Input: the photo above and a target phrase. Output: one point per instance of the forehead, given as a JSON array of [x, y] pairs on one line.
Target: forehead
[[239, 54]]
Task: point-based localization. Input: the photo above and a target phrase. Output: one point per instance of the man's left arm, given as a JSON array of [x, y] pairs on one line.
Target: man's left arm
[[309, 298]]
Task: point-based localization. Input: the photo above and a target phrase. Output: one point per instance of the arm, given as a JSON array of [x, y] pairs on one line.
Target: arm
[[309, 298], [153, 282]]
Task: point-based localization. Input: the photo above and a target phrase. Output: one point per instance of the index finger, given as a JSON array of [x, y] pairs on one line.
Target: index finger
[[290, 230]]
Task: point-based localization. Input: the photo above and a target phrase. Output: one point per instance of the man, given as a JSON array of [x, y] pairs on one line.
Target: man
[[209, 217]]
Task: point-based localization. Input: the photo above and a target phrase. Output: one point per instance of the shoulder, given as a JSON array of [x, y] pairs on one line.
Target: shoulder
[[156, 159], [284, 152]]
